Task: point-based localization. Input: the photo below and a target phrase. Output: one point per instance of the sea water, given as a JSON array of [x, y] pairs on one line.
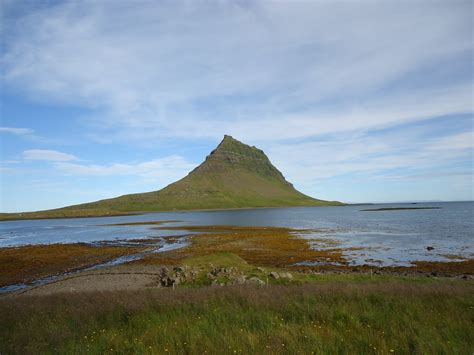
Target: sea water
[[383, 238]]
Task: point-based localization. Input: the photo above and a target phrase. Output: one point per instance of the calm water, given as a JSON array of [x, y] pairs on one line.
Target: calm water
[[387, 238]]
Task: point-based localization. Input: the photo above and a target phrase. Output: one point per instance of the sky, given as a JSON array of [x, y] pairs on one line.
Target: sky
[[356, 101]]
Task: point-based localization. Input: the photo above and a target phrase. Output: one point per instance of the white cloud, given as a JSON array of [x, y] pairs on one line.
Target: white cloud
[[460, 141], [16, 130], [273, 69], [378, 114], [284, 76], [166, 169], [375, 156], [47, 155]]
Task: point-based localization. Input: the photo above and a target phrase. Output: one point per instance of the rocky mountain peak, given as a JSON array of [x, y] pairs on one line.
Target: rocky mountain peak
[[232, 154]]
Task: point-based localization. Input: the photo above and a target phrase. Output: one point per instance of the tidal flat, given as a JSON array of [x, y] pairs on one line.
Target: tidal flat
[[26, 264], [206, 288], [251, 247]]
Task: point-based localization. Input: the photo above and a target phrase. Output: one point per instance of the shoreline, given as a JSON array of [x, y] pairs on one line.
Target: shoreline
[[246, 248], [140, 213], [136, 276]]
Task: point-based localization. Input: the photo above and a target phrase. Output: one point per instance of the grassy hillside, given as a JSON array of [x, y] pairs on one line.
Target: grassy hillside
[[234, 175]]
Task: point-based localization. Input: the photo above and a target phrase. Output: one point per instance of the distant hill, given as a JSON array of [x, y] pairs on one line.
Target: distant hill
[[234, 175]]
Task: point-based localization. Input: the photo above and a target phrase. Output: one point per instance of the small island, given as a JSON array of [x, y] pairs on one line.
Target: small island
[[399, 209]]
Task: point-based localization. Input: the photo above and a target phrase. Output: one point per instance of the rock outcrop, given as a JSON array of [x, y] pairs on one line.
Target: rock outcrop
[[216, 276]]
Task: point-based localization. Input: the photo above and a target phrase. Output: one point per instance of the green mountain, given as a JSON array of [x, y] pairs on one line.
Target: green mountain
[[234, 175]]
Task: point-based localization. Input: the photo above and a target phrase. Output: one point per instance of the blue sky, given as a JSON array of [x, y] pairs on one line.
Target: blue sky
[[353, 101]]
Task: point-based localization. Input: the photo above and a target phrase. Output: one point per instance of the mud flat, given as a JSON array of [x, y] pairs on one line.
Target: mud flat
[[27, 263]]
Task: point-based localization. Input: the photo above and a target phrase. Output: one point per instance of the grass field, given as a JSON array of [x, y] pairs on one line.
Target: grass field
[[347, 318]]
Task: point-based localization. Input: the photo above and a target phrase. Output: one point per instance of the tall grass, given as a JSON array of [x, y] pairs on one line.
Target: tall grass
[[359, 318]]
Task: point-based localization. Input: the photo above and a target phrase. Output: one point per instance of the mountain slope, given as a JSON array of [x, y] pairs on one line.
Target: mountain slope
[[234, 175]]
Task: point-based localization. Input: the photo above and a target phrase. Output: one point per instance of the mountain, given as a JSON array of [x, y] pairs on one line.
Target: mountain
[[234, 175]]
